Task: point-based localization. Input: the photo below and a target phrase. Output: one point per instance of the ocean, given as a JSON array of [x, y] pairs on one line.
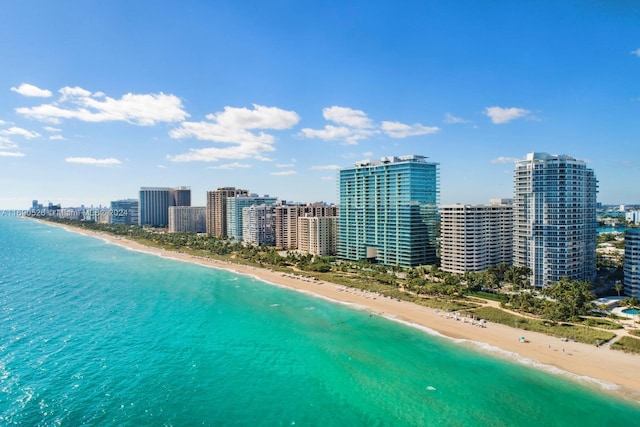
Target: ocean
[[95, 334]]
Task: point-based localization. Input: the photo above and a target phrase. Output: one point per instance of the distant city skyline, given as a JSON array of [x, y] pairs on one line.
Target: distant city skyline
[[100, 99]]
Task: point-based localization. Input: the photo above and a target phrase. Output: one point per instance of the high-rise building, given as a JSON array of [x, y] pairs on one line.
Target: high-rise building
[[632, 262], [287, 221], [155, 201], [187, 219], [555, 218], [154, 206], [317, 235], [633, 216], [180, 196], [320, 209], [476, 237], [234, 212], [388, 211], [258, 224], [124, 212], [217, 209]]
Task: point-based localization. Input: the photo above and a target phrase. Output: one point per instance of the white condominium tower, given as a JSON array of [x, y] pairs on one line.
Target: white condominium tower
[[258, 224], [476, 237], [235, 219], [554, 218], [632, 262]]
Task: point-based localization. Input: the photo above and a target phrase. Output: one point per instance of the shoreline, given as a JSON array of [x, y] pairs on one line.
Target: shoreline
[[599, 368]]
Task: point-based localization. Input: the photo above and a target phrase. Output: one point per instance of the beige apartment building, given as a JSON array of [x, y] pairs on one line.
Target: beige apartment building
[[317, 235], [286, 221], [475, 237], [216, 213]]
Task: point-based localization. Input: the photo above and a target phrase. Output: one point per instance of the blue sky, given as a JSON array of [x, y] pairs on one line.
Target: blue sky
[[100, 98]]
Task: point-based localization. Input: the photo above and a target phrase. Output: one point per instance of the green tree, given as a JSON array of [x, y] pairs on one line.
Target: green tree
[[571, 298]]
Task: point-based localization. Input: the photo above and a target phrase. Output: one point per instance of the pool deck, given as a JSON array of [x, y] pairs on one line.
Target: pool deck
[[618, 312]]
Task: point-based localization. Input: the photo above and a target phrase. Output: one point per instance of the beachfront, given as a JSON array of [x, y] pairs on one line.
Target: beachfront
[[600, 366]]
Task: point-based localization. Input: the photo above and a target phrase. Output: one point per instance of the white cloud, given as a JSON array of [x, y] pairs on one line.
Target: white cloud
[[8, 147], [283, 173], [401, 130], [231, 166], [636, 52], [284, 165], [347, 116], [52, 129], [25, 89], [93, 161], [327, 178], [501, 160], [6, 143], [69, 93], [81, 104], [162, 166], [367, 154], [632, 164], [330, 132], [56, 138], [234, 152], [260, 117], [20, 131], [450, 119], [325, 167], [499, 115], [11, 154], [263, 158], [207, 131], [231, 127], [355, 125]]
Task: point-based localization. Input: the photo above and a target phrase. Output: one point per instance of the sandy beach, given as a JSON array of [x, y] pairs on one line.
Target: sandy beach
[[604, 369]]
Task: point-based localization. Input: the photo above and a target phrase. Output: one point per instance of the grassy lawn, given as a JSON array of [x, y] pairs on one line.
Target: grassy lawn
[[489, 296], [601, 323], [627, 344], [582, 334]]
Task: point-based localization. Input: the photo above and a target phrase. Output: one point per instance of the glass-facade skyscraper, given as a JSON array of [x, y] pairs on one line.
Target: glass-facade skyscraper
[[388, 211], [555, 220], [154, 206], [155, 201]]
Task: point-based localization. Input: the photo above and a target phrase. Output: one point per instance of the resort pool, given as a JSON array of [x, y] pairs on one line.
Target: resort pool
[[632, 311]]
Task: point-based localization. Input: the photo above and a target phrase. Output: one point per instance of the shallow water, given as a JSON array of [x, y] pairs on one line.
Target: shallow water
[[94, 334]]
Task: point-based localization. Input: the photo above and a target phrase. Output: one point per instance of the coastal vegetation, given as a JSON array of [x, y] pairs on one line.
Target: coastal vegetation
[[563, 309], [571, 331], [627, 344]]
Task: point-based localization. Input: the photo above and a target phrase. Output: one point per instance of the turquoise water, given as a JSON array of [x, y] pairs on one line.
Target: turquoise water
[[600, 230], [631, 311], [93, 334]]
